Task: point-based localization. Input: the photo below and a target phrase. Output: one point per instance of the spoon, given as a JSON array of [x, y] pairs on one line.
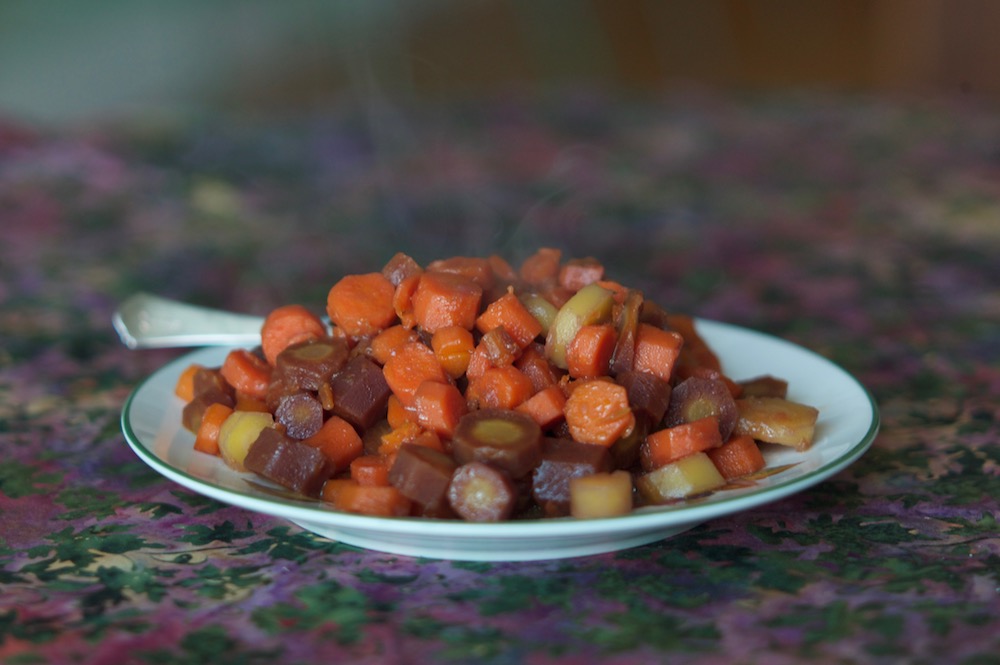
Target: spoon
[[145, 321]]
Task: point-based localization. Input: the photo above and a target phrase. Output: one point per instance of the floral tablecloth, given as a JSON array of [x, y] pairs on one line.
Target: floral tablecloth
[[867, 230]]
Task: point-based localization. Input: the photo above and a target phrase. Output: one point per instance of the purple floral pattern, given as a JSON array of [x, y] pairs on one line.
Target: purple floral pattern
[[863, 229]]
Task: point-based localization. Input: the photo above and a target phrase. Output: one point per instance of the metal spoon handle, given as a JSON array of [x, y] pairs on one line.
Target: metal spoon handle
[[145, 321]]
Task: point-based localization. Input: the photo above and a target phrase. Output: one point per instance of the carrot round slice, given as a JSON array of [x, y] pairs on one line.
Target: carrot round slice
[[598, 412], [288, 325], [362, 304]]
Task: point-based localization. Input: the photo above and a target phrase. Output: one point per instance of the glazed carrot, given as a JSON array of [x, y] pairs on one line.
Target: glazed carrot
[[361, 304], [246, 373], [453, 346], [479, 270], [207, 438], [509, 312], [397, 414], [499, 388], [542, 267], [578, 273], [402, 299], [499, 347], [338, 440], [537, 367], [412, 364], [399, 267], [325, 396], [428, 439], [597, 411], [332, 487], [386, 342], [380, 501], [696, 351], [370, 470], [184, 388], [288, 325], [479, 362], [672, 443], [445, 299], [656, 350], [617, 288], [738, 457], [588, 354], [546, 407], [405, 432], [439, 407], [248, 403]]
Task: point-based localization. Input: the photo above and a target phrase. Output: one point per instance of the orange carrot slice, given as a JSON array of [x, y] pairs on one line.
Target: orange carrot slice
[[597, 411], [672, 443], [288, 325], [207, 438], [588, 354], [362, 304]]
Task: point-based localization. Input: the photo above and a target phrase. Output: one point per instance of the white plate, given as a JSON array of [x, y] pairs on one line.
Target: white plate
[[847, 424]]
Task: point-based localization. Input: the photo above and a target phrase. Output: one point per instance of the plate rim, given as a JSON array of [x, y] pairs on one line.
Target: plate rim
[[646, 519]]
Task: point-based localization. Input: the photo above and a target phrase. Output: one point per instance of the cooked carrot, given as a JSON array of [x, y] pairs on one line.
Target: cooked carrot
[[412, 364], [537, 367], [439, 407], [479, 362], [370, 470], [397, 414], [248, 403], [500, 347], [509, 312], [184, 388], [325, 396], [247, 373], [578, 273], [386, 342], [379, 501], [656, 350], [597, 411], [453, 346], [399, 267], [402, 299], [738, 457], [446, 299], [338, 440], [546, 407], [332, 488], [555, 294], [478, 269], [428, 439], [617, 288], [542, 267], [672, 443], [207, 438], [499, 388], [405, 432], [287, 325], [588, 354], [696, 351], [362, 304]]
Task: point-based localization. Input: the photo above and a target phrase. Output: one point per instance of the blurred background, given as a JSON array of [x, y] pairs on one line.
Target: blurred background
[[64, 61]]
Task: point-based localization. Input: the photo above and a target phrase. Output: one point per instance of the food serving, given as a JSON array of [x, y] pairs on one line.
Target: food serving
[[469, 390]]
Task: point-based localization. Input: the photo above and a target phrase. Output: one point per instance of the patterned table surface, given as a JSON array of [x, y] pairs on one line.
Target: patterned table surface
[[867, 230]]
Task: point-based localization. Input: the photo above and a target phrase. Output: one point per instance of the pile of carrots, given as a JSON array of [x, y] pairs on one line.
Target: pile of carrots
[[468, 333]]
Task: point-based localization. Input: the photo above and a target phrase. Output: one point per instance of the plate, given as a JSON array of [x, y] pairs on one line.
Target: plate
[[847, 425]]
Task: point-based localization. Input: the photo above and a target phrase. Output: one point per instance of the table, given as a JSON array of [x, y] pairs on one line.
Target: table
[[865, 229]]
